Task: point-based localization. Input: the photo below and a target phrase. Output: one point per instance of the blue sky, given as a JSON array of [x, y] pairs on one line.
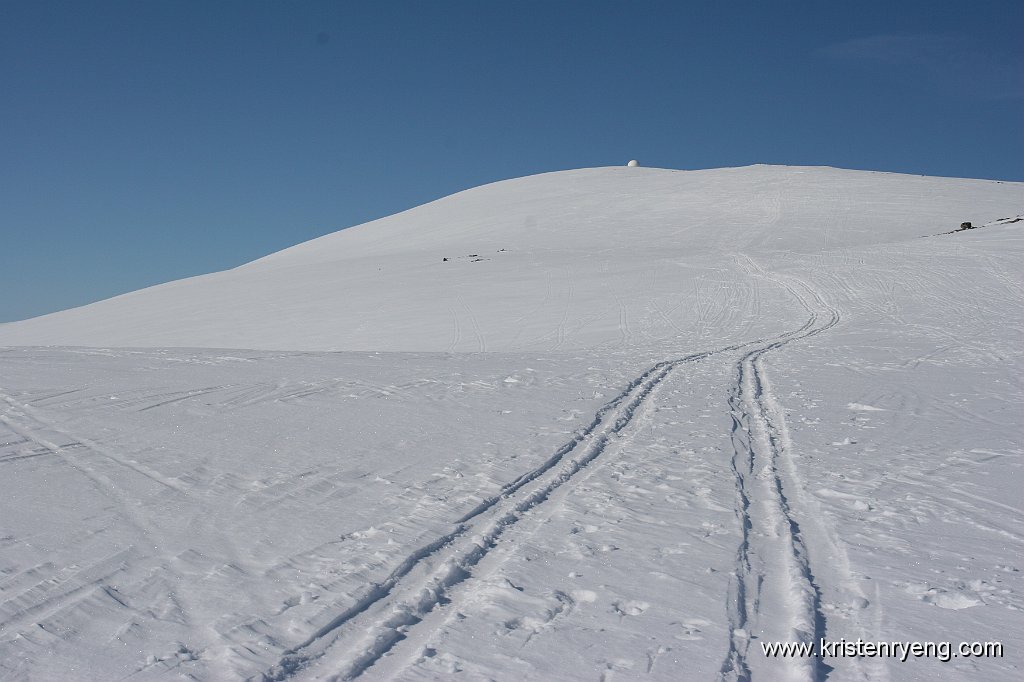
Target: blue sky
[[142, 142]]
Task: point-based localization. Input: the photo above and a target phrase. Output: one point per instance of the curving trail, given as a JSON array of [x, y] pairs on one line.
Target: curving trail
[[772, 573]]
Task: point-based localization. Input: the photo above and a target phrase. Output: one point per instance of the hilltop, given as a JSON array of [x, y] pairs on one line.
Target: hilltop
[[602, 257]]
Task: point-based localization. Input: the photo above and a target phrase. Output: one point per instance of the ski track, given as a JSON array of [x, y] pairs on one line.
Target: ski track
[[481, 342], [426, 577], [31, 425], [385, 613], [772, 562], [456, 331]]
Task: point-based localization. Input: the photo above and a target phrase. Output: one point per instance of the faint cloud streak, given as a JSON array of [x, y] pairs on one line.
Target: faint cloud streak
[[951, 63]]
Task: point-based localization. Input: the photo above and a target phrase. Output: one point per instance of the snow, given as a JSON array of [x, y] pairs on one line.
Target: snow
[[640, 422]]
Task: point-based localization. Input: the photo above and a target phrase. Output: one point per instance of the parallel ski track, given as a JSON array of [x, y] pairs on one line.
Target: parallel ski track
[[355, 639], [760, 441], [32, 427], [425, 578]]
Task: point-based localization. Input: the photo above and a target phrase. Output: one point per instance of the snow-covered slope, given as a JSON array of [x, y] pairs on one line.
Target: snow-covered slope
[[717, 411], [578, 259]]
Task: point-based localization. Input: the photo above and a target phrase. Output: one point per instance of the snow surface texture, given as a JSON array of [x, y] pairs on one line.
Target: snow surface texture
[[639, 422]]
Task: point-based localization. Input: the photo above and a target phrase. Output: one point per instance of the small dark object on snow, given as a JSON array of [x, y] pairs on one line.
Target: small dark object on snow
[[472, 255], [444, 260], [966, 226]]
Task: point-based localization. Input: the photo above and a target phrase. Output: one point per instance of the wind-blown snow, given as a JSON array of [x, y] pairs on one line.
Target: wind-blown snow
[[639, 423]]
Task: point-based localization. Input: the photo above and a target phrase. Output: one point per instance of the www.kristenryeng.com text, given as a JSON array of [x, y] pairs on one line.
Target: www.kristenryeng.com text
[[903, 650]]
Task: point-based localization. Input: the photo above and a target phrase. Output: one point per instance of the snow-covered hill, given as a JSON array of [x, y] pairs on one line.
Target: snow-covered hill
[[605, 257], [640, 424]]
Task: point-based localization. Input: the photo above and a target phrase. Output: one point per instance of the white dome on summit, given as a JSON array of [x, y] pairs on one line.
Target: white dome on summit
[[633, 164]]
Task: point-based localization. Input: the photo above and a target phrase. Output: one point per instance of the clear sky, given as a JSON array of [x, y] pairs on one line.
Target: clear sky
[[145, 141]]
